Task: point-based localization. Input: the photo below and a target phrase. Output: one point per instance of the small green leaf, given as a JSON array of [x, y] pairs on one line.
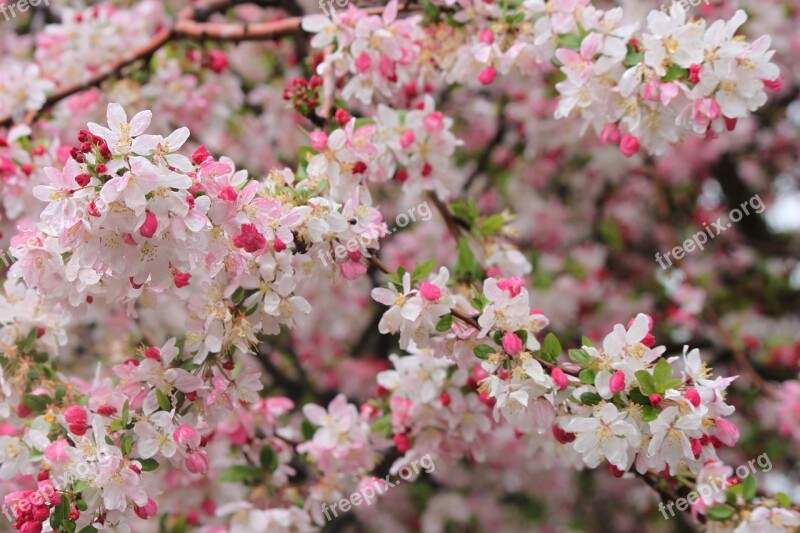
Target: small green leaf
[[580, 356], [269, 458], [26, 344], [492, 225], [81, 505], [674, 72], [587, 342], [783, 500], [633, 59], [646, 383], [590, 398], [636, 396], [163, 401], [307, 429], [445, 323], [587, 376], [569, 40], [649, 413], [125, 413], [662, 373], [552, 345], [125, 444], [483, 351], [719, 513], [37, 402], [383, 426], [423, 269], [750, 488], [148, 465], [246, 474], [237, 296]]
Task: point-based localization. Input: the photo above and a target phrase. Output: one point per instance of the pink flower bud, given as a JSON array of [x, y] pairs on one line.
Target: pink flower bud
[[75, 414], [187, 436], [445, 398], [774, 85], [402, 442], [197, 462], [656, 399], [147, 510], [363, 62], [434, 122], [694, 73], [610, 134], [693, 396], [149, 226], [617, 382], [559, 378], [629, 145], [407, 139], [430, 291], [487, 75], [562, 436], [153, 353], [512, 344], [181, 279], [250, 239], [319, 140], [200, 155], [342, 117], [726, 432], [486, 37], [217, 60]]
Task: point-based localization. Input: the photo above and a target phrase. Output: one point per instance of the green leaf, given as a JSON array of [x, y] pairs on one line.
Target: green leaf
[[580, 356], [662, 373], [125, 413], [26, 344], [719, 513], [552, 345], [492, 225], [37, 402], [307, 429], [590, 398], [445, 323], [587, 342], [60, 514], [649, 413], [269, 458], [246, 474], [569, 40], [423, 269], [467, 211], [90, 529], [783, 500], [646, 383], [636, 396], [633, 59], [81, 505], [467, 267], [148, 465], [483, 351], [674, 72], [587, 376], [125, 444], [395, 279], [163, 401], [383, 425], [237, 296], [750, 488]]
